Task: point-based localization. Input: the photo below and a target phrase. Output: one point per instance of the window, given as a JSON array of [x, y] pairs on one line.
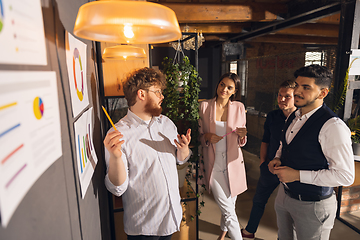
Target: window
[[233, 67], [314, 58]]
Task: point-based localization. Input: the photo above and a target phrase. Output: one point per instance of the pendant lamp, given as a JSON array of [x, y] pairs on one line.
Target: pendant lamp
[[122, 21], [123, 52]]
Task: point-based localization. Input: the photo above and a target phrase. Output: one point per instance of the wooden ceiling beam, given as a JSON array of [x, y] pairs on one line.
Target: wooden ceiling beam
[[308, 29], [213, 28], [332, 19], [207, 13], [215, 38], [313, 15], [277, 38], [312, 29]]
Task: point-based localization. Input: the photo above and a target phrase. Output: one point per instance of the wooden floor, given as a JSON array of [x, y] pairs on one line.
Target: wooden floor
[[209, 220]]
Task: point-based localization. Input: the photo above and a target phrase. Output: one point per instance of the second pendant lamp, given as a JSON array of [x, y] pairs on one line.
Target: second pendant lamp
[[123, 52]]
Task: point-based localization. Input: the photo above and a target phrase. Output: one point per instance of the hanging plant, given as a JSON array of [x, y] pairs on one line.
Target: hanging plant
[[181, 97], [181, 102], [171, 94]]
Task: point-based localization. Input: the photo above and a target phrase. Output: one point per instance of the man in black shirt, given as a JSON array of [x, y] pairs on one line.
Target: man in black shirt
[[270, 143]]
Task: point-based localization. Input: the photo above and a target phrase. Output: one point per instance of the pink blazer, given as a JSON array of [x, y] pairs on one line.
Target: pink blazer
[[235, 161]]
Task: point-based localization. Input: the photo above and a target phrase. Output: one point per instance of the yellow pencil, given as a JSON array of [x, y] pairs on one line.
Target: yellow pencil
[[109, 117]]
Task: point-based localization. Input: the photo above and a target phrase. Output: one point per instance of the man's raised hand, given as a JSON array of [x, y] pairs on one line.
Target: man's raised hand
[[113, 143]]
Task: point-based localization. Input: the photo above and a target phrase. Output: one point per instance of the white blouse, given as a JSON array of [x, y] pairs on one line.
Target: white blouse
[[220, 155]]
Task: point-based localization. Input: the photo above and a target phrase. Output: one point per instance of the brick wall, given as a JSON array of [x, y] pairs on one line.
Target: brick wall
[[268, 66], [350, 198], [267, 49]]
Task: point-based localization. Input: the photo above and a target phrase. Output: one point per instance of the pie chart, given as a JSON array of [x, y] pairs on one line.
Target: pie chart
[[38, 108], [77, 58], [1, 15]]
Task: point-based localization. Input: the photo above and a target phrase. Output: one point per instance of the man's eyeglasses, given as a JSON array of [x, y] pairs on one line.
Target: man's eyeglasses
[[158, 93]]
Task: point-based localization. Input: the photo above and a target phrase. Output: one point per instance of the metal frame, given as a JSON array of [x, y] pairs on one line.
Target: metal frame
[[351, 10], [193, 35], [104, 125], [348, 39], [196, 164]]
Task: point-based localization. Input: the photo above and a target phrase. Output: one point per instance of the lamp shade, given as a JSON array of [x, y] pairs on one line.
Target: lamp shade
[[134, 22], [123, 52]]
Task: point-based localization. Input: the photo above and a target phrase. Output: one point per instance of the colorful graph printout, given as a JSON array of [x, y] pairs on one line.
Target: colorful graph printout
[[22, 38], [76, 66], [1, 15], [85, 152], [30, 138]]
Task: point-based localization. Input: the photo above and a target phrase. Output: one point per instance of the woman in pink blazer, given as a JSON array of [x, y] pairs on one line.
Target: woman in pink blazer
[[222, 133]]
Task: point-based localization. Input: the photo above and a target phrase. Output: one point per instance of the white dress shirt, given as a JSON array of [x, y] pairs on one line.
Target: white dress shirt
[[335, 140], [150, 192]]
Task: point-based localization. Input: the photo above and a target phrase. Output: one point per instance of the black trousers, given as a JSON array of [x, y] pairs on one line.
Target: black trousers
[[142, 237], [267, 183]]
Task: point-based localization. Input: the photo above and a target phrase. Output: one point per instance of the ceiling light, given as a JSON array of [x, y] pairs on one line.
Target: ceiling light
[[121, 21], [123, 52]]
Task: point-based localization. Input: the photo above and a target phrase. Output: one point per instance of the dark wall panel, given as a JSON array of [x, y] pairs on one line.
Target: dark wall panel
[[209, 70], [53, 207]]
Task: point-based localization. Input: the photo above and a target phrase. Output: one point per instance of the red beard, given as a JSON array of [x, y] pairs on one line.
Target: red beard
[[153, 108]]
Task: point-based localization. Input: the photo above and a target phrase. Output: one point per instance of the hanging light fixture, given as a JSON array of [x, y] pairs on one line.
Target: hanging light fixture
[[190, 43], [122, 21], [123, 52]]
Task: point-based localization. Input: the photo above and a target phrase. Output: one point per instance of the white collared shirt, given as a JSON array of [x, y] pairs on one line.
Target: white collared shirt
[[335, 140], [150, 192]]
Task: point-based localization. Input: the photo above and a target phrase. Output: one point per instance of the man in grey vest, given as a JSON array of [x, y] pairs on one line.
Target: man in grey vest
[[314, 156]]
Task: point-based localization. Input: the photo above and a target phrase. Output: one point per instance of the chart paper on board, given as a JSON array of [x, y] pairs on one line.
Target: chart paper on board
[[22, 38], [30, 135], [86, 158], [76, 66]]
